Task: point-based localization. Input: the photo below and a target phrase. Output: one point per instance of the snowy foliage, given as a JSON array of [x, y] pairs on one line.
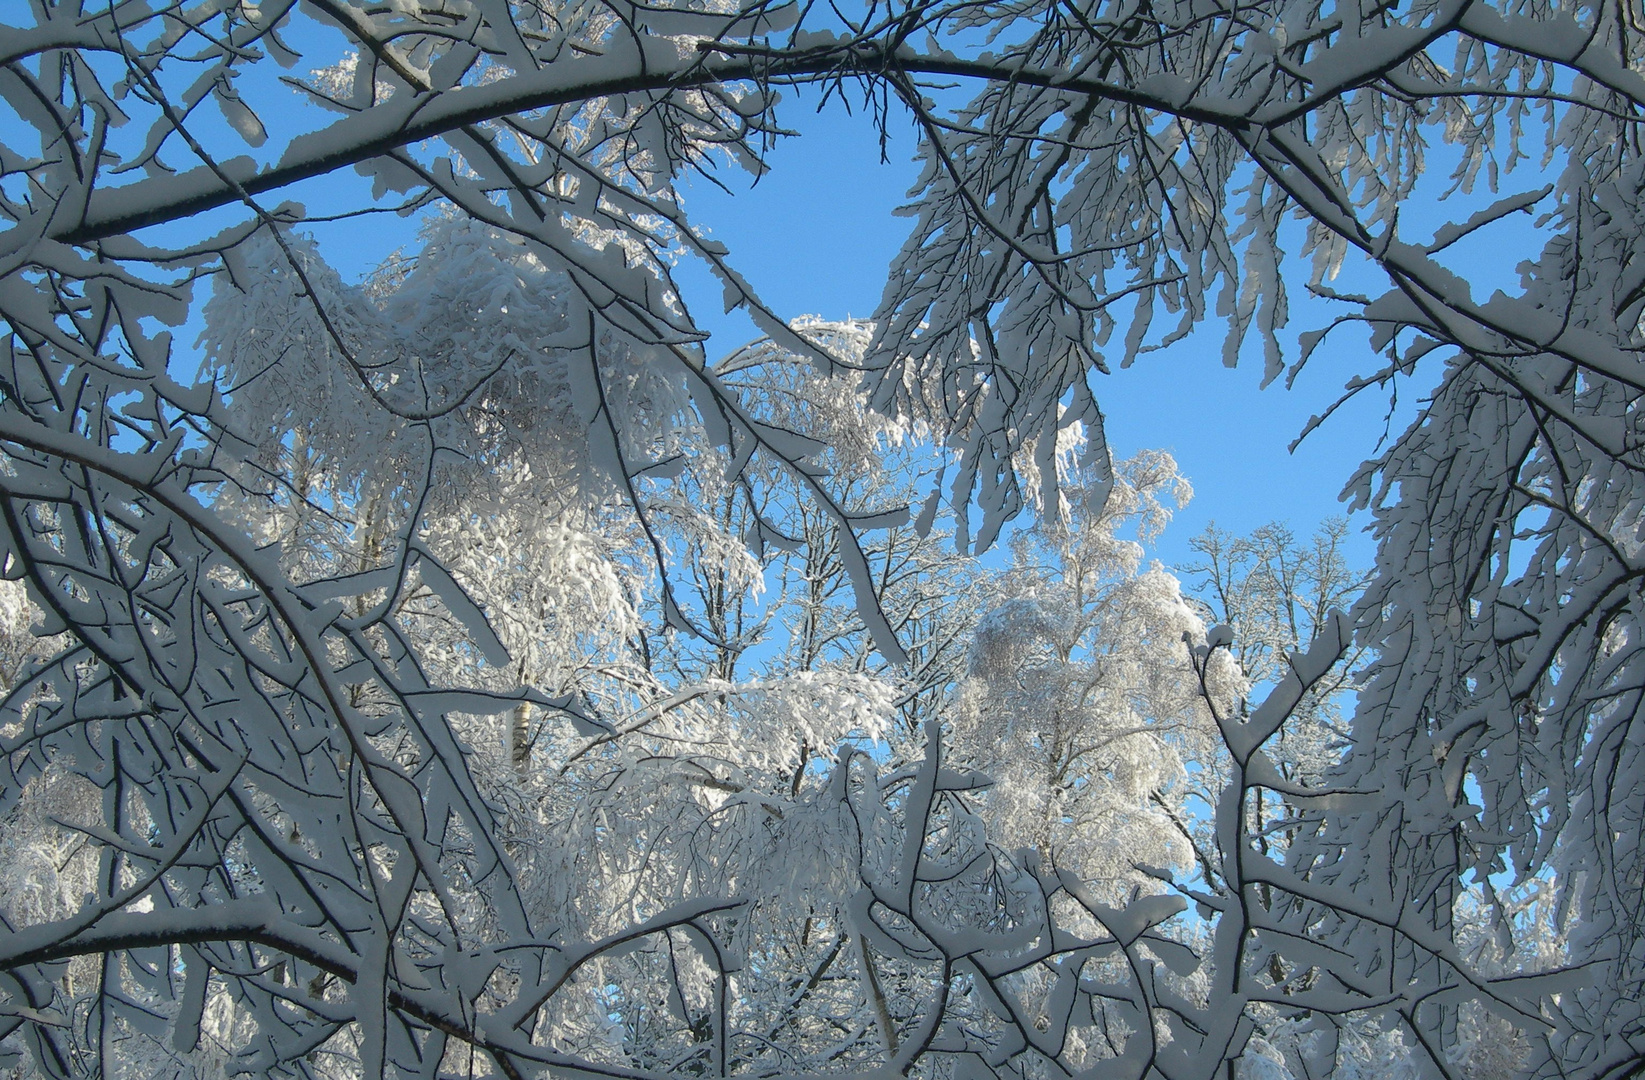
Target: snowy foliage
[[463, 672], [1079, 701]]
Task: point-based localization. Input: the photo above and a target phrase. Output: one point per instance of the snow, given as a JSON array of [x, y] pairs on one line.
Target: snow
[[465, 660]]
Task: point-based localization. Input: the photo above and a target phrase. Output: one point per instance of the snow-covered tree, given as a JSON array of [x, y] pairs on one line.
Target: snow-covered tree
[[1275, 593], [300, 592], [1079, 699]]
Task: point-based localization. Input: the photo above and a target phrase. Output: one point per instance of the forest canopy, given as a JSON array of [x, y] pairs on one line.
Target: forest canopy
[[474, 670]]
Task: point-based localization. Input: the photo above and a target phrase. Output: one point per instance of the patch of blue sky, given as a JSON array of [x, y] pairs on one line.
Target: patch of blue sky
[[815, 234]]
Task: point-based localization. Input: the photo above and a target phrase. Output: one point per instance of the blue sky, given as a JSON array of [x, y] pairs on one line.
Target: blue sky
[[815, 234]]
